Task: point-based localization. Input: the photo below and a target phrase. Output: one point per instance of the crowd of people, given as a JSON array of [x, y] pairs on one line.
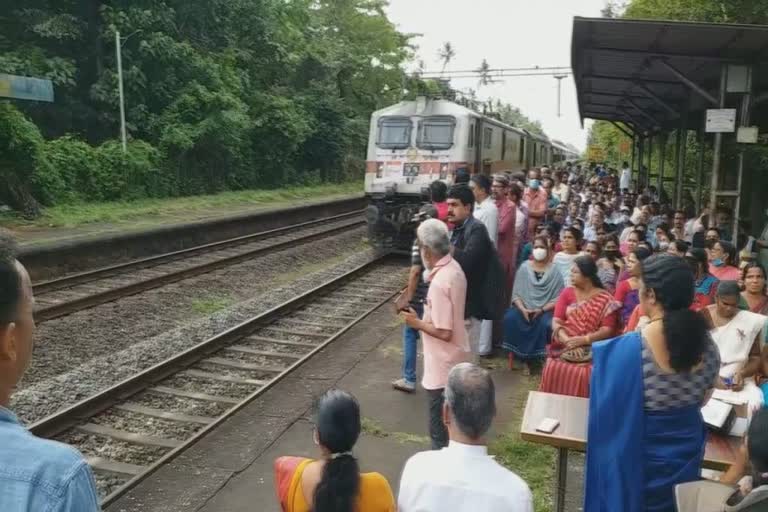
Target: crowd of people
[[605, 290], [611, 294]]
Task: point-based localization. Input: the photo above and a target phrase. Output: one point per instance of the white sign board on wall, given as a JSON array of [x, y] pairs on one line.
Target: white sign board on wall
[[721, 120]]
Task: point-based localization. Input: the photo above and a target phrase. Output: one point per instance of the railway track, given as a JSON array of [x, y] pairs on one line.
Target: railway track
[[66, 295], [131, 429]]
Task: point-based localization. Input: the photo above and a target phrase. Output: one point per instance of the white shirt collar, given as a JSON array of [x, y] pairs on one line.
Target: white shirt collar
[[468, 450]]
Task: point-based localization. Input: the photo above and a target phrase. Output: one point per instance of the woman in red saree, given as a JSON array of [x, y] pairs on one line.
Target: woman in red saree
[[332, 483], [584, 313]]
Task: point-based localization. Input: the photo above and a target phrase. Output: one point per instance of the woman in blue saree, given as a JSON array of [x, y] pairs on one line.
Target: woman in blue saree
[[645, 432]]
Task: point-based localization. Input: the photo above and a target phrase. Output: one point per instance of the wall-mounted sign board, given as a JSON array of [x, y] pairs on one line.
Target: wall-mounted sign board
[[25, 88], [721, 120]]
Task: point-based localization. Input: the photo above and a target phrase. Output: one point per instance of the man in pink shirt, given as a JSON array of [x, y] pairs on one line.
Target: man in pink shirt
[[535, 197], [442, 327]]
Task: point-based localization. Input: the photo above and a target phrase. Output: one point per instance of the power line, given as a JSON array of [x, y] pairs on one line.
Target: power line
[[497, 75], [504, 70]]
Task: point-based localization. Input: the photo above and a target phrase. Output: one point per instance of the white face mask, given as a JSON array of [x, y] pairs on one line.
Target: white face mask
[[539, 254]]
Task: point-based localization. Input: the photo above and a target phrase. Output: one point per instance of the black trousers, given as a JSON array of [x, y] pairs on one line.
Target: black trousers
[[438, 434]]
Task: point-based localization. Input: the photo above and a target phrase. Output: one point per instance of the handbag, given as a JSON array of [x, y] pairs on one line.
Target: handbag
[[577, 355]]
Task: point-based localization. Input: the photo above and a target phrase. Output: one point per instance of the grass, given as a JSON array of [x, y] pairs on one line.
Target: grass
[[210, 305], [534, 463], [372, 428], [155, 210]]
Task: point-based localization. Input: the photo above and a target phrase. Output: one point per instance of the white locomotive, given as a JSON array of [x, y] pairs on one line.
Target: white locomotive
[[413, 143]]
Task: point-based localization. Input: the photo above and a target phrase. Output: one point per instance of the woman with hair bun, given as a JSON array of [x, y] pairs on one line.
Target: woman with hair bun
[[645, 434], [332, 483]]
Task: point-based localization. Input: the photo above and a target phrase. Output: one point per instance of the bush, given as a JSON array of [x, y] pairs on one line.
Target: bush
[[74, 164], [21, 158], [130, 175]]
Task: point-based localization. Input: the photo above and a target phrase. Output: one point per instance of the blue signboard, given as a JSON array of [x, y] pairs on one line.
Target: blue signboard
[[24, 88]]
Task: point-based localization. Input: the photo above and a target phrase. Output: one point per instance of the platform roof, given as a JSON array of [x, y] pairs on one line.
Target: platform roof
[[622, 67]]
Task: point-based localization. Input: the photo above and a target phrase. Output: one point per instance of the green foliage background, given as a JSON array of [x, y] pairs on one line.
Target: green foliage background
[[220, 95]]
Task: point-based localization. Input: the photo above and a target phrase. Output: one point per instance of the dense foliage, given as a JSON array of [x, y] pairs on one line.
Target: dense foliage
[[220, 94]]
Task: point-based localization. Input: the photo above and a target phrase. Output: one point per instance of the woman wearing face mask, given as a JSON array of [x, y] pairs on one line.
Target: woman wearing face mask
[[563, 260], [610, 265], [627, 291], [722, 261], [528, 322], [663, 238]]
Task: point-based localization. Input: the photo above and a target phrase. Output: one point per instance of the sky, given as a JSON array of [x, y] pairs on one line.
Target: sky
[[509, 34]]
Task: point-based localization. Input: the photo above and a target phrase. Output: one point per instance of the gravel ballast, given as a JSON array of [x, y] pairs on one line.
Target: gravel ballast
[[84, 353]]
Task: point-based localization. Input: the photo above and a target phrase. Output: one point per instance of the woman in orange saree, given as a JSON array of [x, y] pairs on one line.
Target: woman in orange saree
[[332, 483]]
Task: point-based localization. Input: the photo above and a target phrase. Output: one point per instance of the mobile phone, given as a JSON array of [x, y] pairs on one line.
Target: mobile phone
[[548, 425]]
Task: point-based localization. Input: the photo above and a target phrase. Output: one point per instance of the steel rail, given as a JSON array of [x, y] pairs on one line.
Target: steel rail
[[91, 300], [61, 421]]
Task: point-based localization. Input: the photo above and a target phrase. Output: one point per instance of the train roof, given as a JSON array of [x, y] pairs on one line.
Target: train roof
[[442, 107], [438, 107]]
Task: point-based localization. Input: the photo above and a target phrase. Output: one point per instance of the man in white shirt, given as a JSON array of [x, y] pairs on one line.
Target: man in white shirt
[[625, 180], [463, 477], [486, 212]]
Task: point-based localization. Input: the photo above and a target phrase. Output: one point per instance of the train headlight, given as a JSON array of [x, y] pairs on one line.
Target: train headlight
[[380, 170], [443, 171]]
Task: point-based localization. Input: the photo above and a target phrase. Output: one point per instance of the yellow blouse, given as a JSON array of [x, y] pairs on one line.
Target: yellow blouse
[[375, 493]]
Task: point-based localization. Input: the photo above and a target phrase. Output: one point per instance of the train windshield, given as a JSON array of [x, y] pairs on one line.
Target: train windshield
[[436, 133], [394, 133]]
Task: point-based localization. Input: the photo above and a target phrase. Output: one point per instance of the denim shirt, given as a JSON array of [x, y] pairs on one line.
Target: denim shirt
[[38, 475]]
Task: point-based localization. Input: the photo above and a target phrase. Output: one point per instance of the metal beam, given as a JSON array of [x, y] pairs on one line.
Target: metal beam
[[655, 97], [687, 81], [633, 79], [646, 53], [645, 114], [642, 125], [616, 95], [622, 129]]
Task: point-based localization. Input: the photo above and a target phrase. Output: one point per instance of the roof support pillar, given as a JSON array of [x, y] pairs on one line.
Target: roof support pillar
[[662, 154], [640, 157], [718, 144], [682, 141], [632, 157], [656, 98], [687, 81], [745, 112], [648, 167], [700, 170]]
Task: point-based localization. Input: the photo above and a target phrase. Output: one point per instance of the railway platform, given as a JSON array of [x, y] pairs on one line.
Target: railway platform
[[48, 254], [231, 468]]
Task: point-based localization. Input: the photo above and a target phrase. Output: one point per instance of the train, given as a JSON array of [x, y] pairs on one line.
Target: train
[[415, 142]]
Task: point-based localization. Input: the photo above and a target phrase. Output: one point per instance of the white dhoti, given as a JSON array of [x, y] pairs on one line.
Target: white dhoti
[[480, 334], [734, 341]]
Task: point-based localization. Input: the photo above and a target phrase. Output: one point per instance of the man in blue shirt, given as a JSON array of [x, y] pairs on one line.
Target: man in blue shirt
[[35, 474]]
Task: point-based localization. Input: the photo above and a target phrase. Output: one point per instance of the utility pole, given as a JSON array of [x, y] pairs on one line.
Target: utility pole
[[118, 50], [559, 79]]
